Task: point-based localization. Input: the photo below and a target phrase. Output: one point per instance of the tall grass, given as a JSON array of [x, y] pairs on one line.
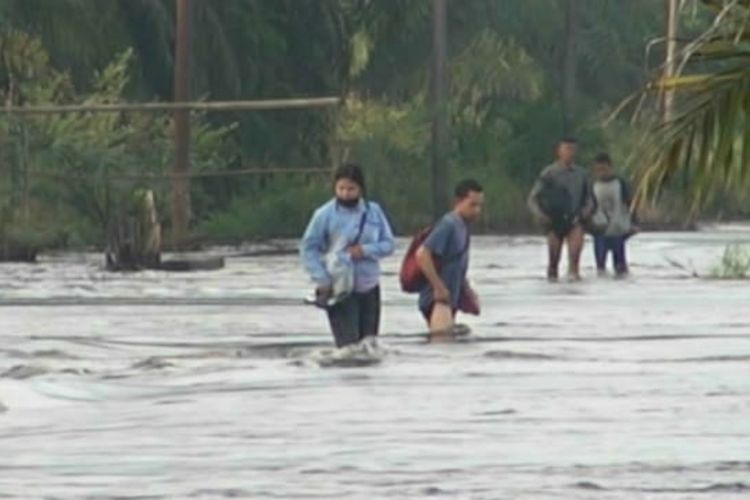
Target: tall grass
[[734, 264]]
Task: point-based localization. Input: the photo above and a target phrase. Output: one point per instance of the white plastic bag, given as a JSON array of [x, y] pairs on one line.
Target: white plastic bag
[[341, 269]]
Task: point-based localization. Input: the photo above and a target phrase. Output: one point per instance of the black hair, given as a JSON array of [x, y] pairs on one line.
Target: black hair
[[603, 158], [567, 140], [352, 172], [465, 187]]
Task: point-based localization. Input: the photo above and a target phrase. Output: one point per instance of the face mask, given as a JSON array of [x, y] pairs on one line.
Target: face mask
[[348, 203]]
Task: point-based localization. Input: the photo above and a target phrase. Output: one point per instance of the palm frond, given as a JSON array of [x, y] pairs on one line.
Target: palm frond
[[708, 138]]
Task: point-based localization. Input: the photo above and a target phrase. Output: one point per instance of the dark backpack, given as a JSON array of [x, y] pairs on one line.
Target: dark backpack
[[556, 203]]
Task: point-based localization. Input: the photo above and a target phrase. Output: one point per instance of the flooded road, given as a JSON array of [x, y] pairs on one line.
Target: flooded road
[[220, 385]]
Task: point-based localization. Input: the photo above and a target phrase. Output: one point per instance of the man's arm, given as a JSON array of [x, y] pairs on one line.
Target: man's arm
[[533, 202], [426, 261], [588, 204]]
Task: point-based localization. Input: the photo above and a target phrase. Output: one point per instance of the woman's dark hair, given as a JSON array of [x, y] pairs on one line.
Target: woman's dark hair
[[352, 172]]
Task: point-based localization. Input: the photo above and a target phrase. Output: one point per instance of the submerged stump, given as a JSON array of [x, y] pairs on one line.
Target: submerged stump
[[135, 236], [135, 242]]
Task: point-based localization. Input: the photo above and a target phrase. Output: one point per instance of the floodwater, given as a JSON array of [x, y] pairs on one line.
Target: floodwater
[[223, 384]]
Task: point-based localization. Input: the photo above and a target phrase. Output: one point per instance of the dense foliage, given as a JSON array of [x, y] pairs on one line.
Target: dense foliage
[[66, 173]]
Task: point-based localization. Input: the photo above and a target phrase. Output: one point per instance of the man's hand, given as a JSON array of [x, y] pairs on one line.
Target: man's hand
[[544, 220], [441, 294], [356, 252]]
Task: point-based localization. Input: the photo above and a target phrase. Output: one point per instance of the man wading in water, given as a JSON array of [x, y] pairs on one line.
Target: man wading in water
[[560, 200], [443, 259], [613, 221]]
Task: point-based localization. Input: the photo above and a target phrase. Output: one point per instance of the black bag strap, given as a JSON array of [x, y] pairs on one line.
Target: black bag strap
[[625, 191], [362, 224]]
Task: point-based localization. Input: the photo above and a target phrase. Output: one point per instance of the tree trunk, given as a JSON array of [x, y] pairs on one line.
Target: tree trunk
[[570, 66]]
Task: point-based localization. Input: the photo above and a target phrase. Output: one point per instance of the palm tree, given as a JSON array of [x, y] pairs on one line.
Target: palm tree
[[707, 138]]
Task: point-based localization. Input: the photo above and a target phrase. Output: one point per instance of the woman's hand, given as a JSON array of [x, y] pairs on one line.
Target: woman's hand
[[323, 293], [356, 252]]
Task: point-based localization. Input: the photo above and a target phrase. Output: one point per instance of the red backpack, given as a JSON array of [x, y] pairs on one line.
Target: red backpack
[[411, 276]]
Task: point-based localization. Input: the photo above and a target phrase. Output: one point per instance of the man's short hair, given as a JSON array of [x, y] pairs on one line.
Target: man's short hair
[[567, 140], [467, 186], [603, 158]]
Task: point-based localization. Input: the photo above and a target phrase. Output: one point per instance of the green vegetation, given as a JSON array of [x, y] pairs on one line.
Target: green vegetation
[[62, 177], [70, 173], [735, 263], [703, 149]]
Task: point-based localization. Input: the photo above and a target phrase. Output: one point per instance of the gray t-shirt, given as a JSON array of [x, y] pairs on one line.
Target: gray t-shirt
[[612, 206], [573, 179], [449, 241]]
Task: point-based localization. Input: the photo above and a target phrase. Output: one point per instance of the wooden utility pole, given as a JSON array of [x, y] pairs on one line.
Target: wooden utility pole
[[181, 179], [439, 111], [570, 66], [669, 63]]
